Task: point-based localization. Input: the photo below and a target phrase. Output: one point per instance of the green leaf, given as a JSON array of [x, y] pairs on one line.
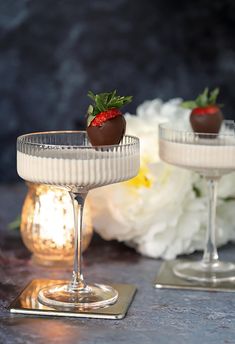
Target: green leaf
[[105, 101], [99, 100], [202, 99], [91, 95], [197, 191], [90, 119], [190, 104], [90, 110], [112, 96], [119, 101], [15, 224], [213, 96], [229, 199]]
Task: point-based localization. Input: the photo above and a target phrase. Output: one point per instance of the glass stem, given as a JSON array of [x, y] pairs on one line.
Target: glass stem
[[210, 255], [78, 200]]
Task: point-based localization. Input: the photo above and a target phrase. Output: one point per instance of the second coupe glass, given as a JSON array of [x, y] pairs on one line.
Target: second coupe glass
[[212, 156]]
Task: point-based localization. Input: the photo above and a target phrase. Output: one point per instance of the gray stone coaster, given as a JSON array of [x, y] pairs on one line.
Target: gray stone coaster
[[27, 303], [167, 279]]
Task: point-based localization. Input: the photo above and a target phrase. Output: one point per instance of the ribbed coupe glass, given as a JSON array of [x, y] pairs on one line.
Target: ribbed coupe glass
[[211, 155], [67, 159]]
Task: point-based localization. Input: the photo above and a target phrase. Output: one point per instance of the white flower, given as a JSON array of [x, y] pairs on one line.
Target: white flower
[[163, 211]]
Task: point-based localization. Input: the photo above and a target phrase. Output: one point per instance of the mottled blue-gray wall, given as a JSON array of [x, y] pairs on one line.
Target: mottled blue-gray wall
[[52, 52]]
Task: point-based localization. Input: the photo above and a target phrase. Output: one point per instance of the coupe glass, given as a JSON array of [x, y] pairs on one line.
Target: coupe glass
[[211, 155], [66, 159]]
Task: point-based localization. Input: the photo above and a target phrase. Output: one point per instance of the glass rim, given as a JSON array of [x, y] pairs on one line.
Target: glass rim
[[170, 126], [36, 144]]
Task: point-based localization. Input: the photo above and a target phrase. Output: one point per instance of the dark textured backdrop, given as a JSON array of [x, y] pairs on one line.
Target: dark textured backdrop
[[53, 51]]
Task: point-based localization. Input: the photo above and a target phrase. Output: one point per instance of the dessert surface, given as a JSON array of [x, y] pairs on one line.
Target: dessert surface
[[201, 156], [95, 169]]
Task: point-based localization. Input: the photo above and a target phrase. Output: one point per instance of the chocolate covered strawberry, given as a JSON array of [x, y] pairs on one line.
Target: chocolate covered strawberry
[[105, 123], [206, 116]]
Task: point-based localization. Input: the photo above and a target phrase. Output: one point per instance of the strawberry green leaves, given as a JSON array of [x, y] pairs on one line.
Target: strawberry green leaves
[[204, 99], [103, 102]]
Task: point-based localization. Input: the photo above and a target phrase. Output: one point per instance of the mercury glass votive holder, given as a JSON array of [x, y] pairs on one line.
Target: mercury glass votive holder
[[47, 226]]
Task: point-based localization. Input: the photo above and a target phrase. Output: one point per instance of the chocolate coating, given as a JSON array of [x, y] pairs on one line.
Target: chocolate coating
[[110, 132], [208, 123]]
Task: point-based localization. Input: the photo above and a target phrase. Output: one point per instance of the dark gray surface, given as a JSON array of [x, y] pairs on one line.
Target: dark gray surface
[[156, 316], [53, 52]]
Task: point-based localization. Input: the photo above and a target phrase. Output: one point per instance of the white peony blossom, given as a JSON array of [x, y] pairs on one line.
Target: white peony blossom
[[163, 211]]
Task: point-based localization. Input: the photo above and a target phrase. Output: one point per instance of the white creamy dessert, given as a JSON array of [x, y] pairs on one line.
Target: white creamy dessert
[[95, 169], [204, 157]]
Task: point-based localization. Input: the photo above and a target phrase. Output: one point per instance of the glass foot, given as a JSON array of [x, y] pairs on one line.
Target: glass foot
[[200, 271], [92, 296]]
